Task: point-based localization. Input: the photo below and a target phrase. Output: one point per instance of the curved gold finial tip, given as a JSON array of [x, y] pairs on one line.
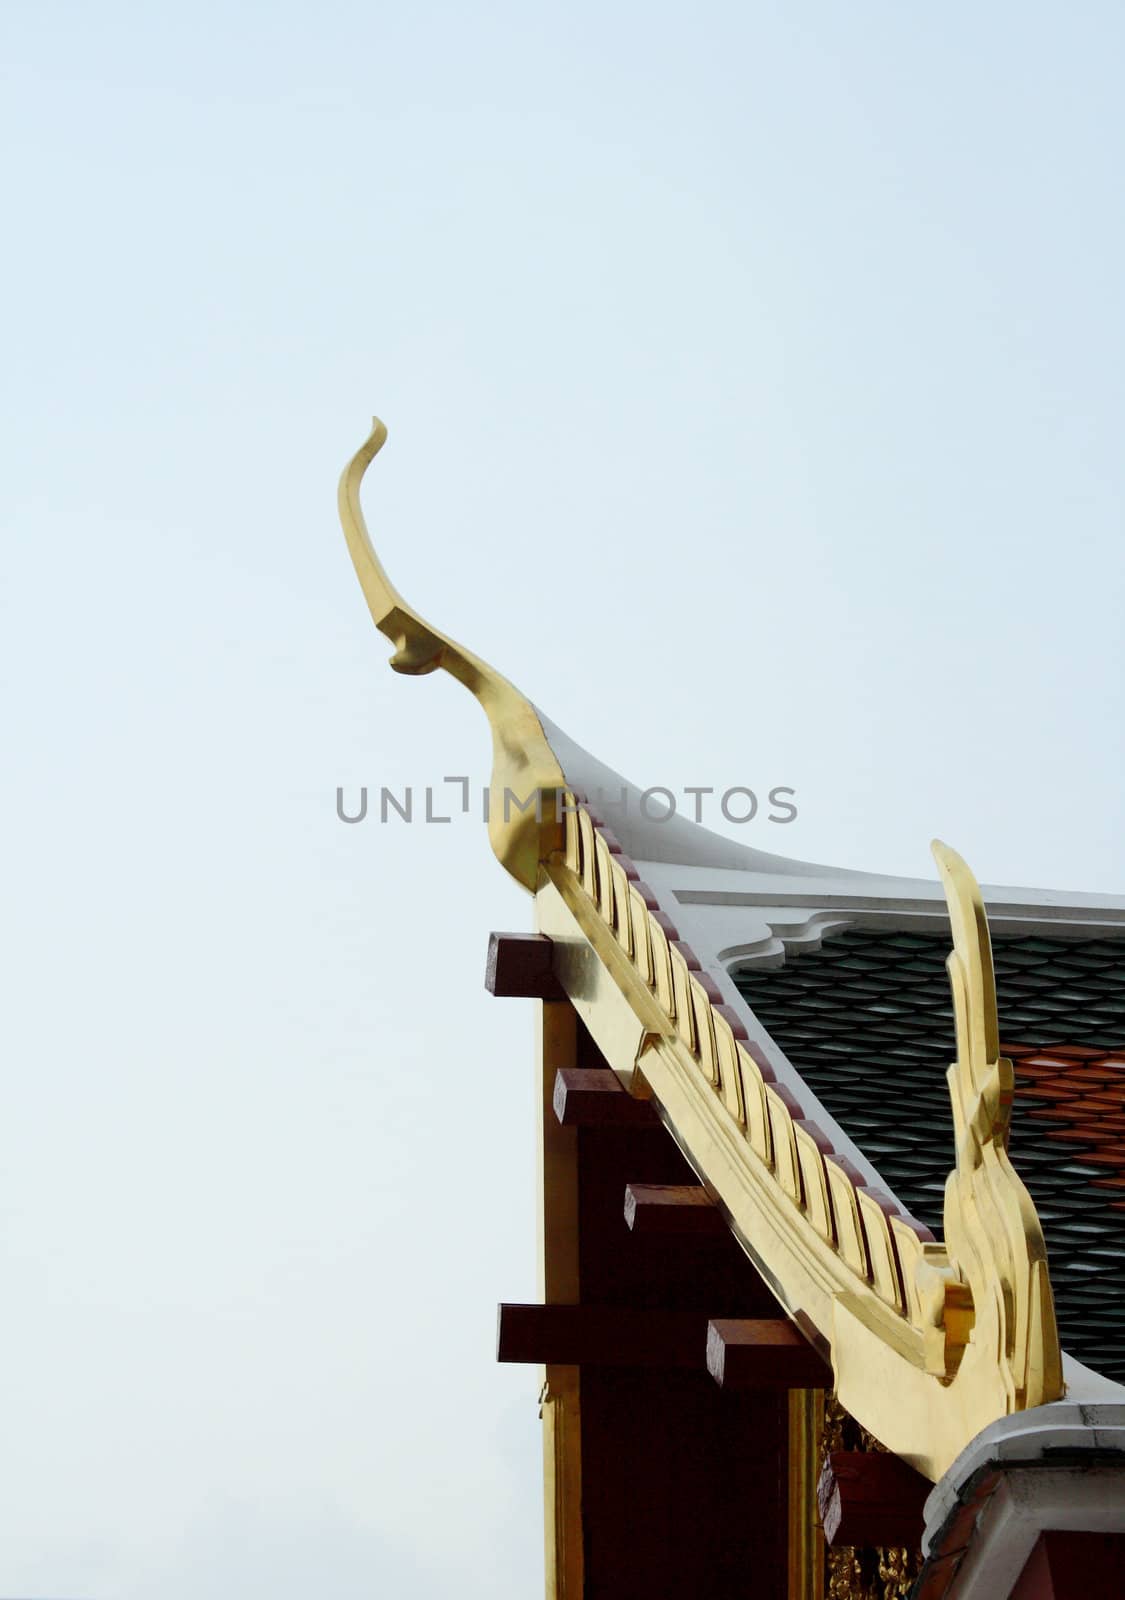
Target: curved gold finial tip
[[374, 442], [975, 1004], [959, 881], [523, 762]]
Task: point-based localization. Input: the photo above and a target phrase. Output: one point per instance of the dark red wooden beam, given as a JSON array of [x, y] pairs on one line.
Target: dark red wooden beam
[[770, 1353], [665, 1210], [607, 1336], [871, 1498], [592, 1097], [519, 965]]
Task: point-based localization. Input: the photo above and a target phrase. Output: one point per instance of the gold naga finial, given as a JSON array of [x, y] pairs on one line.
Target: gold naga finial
[[992, 1230], [526, 777]]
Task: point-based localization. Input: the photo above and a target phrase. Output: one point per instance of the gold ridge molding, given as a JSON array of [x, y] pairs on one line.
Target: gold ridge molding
[[524, 767], [924, 1347]]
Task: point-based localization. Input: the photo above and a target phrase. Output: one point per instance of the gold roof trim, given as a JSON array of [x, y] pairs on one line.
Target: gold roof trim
[[524, 768], [930, 1342]]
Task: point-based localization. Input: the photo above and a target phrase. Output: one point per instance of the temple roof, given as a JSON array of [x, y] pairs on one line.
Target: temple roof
[[841, 978], [792, 1021], [870, 1011]]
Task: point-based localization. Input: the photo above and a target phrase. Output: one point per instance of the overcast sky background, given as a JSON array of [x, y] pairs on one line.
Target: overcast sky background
[[754, 378]]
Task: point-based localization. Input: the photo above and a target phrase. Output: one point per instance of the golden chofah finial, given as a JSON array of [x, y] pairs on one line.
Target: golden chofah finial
[[523, 766]]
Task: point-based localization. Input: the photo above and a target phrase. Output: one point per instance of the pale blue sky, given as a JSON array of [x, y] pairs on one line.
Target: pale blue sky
[[754, 382]]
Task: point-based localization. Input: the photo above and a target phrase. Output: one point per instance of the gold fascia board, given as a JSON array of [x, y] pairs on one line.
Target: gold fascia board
[[526, 778], [930, 1342]]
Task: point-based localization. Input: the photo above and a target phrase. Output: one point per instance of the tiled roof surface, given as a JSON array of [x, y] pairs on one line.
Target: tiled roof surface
[[868, 1022]]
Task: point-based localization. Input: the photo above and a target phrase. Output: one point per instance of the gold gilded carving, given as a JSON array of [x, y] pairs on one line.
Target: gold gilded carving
[[755, 1114], [523, 764], [880, 1249], [590, 863], [850, 1236], [992, 1230], [622, 922], [930, 1341], [728, 1065], [814, 1182], [850, 1573], [870, 1574], [708, 1051], [682, 999], [662, 968], [783, 1139], [641, 936]]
